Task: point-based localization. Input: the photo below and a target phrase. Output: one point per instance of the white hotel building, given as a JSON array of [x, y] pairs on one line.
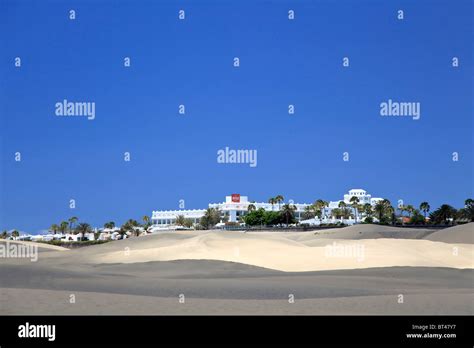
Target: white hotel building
[[236, 206]]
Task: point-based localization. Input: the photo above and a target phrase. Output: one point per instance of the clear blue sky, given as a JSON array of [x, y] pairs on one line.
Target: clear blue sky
[[189, 62]]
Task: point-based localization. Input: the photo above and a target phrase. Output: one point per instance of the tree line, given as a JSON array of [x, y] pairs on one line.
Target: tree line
[[383, 211]]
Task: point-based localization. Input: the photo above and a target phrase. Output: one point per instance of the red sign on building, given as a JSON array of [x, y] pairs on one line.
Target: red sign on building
[[235, 198]]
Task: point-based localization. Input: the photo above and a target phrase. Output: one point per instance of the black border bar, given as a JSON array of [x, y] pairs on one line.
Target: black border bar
[[240, 330]]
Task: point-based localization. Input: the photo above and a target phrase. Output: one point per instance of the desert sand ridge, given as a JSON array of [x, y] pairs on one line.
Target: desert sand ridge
[[248, 273], [463, 234], [364, 247]]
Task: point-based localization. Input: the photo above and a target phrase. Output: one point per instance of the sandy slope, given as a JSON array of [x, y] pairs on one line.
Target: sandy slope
[[40, 246], [457, 234], [218, 287], [297, 253], [118, 304], [358, 232], [133, 277], [355, 247]]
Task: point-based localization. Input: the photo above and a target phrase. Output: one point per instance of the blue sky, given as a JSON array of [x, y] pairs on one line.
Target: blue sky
[[190, 62]]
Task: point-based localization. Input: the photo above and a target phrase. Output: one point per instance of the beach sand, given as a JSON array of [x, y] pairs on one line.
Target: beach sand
[[222, 272]]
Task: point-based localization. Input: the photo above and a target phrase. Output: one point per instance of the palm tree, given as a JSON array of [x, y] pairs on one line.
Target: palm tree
[[134, 226], [346, 213], [63, 226], [180, 220], [425, 208], [272, 201], [130, 226], [83, 228], [308, 212], [367, 209], [444, 214], [382, 209], [211, 217], [72, 221], [4, 234], [336, 213], [379, 210], [251, 207], [188, 223], [54, 228], [288, 212], [354, 203], [410, 210], [279, 199], [320, 205], [147, 223], [109, 225], [15, 234], [342, 205], [467, 212]]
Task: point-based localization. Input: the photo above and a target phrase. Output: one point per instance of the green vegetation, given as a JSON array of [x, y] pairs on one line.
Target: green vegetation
[[72, 221], [287, 214], [83, 228], [261, 217], [355, 205], [382, 212], [146, 222], [443, 215], [211, 217], [425, 208], [466, 214], [72, 244], [131, 226], [109, 225], [180, 219], [308, 213]]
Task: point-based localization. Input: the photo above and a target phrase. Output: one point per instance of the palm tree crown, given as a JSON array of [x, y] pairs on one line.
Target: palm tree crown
[[287, 212], [425, 207], [278, 199]]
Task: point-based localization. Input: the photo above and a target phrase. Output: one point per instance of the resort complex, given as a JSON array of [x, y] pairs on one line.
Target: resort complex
[[237, 213], [236, 207]]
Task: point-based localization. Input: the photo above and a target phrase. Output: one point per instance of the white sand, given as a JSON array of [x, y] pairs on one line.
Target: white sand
[[39, 245], [297, 252]]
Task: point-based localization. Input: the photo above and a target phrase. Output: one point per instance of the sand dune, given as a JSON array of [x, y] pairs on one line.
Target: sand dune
[[457, 234], [297, 253], [247, 273], [41, 246], [356, 232], [448, 302], [355, 247]]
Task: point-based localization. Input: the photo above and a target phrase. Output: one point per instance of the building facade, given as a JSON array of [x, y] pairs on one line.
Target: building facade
[[236, 206]]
